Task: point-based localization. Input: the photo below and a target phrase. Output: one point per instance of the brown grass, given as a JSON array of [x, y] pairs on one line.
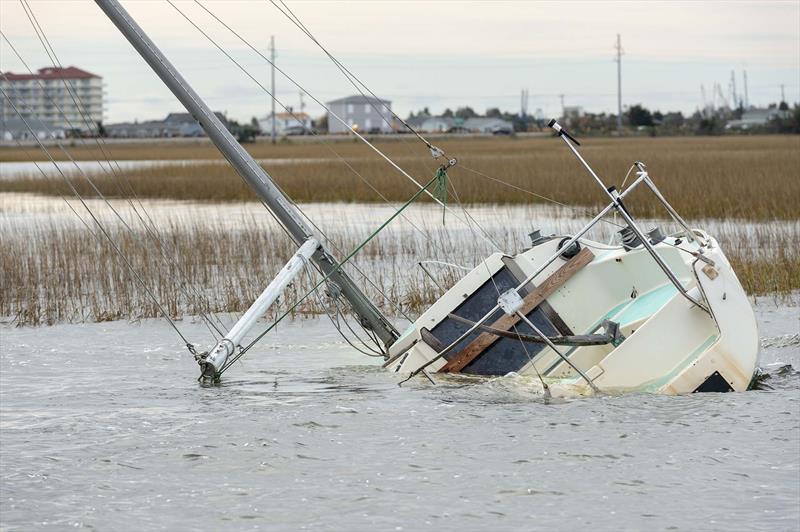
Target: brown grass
[[753, 177], [55, 272]]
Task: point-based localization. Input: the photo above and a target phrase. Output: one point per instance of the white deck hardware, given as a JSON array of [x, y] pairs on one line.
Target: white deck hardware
[[510, 301]]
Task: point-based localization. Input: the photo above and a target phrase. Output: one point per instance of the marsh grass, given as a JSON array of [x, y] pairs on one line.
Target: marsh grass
[[755, 178], [55, 271]]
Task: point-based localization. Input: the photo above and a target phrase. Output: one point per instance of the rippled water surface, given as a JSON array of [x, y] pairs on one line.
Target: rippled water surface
[[104, 427]]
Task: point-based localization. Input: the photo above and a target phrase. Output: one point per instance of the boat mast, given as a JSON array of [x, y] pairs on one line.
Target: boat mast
[[247, 168]]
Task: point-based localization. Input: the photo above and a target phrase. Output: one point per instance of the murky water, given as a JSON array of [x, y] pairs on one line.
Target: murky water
[[104, 427]]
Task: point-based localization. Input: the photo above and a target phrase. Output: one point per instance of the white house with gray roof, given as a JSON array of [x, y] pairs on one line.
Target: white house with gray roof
[[362, 113]]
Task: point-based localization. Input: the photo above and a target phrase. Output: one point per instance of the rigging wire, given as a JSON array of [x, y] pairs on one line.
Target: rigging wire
[[100, 226], [285, 107], [388, 159], [300, 210], [150, 228], [335, 317], [353, 79], [338, 267], [358, 84]]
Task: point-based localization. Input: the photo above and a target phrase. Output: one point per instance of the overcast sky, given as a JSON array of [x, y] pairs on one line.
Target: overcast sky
[[435, 54]]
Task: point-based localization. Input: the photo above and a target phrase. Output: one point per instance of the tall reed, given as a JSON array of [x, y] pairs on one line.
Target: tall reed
[[53, 270]]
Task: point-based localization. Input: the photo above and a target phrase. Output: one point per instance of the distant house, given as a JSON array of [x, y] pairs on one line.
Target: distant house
[[362, 113], [756, 118], [487, 125], [437, 124], [174, 125], [286, 124], [17, 129]]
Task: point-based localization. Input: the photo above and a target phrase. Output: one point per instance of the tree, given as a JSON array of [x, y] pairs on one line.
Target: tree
[[639, 116], [447, 113], [466, 112], [494, 112]]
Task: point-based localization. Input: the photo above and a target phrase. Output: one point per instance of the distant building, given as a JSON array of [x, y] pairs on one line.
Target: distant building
[[756, 118], [362, 113], [488, 125], [174, 125], [18, 129], [44, 95], [286, 124], [437, 124]]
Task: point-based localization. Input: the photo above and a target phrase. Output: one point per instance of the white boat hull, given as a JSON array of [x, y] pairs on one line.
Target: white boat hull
[[670, 346]]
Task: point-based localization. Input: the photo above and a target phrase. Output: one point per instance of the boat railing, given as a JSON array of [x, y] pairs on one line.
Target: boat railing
[[617, 204]]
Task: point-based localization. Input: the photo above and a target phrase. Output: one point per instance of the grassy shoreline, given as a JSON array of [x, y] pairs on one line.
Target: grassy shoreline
[[754, 177], [56, 272]]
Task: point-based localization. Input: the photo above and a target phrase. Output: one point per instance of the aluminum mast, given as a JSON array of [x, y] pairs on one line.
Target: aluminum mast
[[247, 167]]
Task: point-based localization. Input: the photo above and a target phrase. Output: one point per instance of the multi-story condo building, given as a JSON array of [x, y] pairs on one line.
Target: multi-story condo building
[[44, 96]]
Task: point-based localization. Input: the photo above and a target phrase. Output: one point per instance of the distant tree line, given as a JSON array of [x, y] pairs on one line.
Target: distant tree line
[[643, 121]]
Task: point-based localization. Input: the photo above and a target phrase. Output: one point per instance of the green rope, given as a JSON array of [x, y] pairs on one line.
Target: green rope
[[440, 192], [436, 179]]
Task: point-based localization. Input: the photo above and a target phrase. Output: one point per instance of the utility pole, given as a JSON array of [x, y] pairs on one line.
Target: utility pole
[[746, 97], [705, 103], [783, 94], [733, 90], [272, 84], [619, 84], [563, 109]]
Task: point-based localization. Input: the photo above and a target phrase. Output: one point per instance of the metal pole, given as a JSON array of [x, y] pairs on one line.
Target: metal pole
[[619, 84], [247, 168], [616, 201], [272, 84], [559, 353]]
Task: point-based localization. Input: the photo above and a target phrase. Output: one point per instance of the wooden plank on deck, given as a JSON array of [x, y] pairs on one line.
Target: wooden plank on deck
[[530, 302]]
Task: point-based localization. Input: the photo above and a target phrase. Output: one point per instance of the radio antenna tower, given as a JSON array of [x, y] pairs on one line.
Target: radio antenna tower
[[619, 83]]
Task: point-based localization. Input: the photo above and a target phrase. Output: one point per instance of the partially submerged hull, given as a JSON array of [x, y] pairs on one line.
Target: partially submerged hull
[[667, 345]]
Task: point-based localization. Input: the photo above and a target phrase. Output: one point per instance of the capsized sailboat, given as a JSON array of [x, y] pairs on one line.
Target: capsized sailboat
[[661, 314]]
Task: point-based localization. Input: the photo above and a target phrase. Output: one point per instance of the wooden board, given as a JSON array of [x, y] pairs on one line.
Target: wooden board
[[530, 302]]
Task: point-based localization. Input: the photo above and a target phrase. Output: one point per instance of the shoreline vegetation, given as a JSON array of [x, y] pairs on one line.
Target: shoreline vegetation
[[55, 272], [747, 177]]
